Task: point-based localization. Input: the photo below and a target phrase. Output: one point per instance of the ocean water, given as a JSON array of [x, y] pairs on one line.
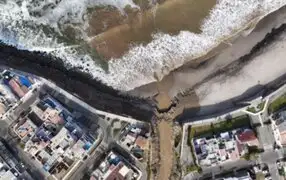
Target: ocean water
[[59, 27]]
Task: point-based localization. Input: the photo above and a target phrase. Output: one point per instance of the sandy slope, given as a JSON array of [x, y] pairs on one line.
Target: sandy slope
[[264, 68], [185, 78], [239, 48]]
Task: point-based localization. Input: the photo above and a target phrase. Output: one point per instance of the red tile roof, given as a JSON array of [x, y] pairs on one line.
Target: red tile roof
[[141, 142], [115, 175], [246, 135], [92, 178], [16, 88]]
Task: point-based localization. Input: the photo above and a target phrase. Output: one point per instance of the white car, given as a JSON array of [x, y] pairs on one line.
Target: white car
[[265, 172], [256, 169]]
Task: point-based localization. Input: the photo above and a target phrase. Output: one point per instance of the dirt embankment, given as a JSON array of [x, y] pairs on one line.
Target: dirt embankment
[[166, 150], [166, 131], [137, 27]]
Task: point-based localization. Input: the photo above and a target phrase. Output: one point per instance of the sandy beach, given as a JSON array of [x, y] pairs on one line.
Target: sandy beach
[[264, 68], [186, 77]]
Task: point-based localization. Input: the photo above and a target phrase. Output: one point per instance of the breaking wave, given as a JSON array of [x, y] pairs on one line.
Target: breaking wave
[[41, 26]]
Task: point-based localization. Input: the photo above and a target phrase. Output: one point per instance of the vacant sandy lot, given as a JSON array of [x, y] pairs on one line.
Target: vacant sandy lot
[[166, 150]]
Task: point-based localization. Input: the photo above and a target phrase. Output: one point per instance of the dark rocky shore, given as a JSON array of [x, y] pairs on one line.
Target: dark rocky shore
[[83, 85]]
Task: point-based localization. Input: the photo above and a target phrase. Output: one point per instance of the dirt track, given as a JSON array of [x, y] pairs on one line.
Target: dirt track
[[166, 150]]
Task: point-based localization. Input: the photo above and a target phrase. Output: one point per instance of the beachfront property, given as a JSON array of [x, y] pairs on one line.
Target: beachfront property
[[115, 167], [13, 86], [224, 147], [135, 139], [19, 84], [55, 137]]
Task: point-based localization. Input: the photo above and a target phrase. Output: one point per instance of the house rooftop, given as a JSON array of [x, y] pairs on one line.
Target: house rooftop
[[26, 129], [246, 135], [114, 167], [283, 138], [142, 142], [5, 175], [282, 127]]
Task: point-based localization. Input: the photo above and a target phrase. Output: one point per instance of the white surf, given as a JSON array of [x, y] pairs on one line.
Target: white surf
[[42, 31]]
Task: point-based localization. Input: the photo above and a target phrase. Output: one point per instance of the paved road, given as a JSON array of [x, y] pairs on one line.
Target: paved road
[[270, 158], [34, 166], [230, 166], [88, 165], [86, 106], [266, 137]]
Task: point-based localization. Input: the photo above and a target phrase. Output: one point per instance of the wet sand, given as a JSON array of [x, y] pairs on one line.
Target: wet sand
[[105, 18], [169, 17]]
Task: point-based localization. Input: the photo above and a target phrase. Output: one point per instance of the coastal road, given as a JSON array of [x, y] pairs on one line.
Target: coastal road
[[270, 158], [229, 166], [85, 105], [209, 172], [266, 137]]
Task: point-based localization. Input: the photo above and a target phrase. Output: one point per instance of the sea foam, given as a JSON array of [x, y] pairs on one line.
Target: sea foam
[[142, 64]]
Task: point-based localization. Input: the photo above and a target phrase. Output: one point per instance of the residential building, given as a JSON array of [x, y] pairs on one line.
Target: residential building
[[248, 137], [10, 167], [53, 137], [224, 147], [114, 167], [242, 175], [19, 84], [282, 133], [135, 138]]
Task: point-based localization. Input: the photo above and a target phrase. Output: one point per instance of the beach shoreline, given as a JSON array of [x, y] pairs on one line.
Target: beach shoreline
[[189, 76], [76, 82]]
